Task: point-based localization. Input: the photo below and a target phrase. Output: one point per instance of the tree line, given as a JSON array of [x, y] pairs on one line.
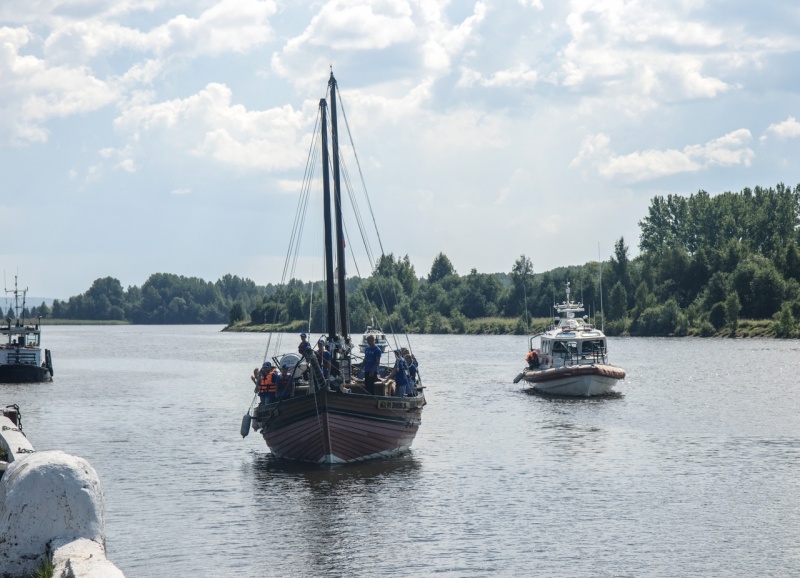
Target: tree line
[[705, 263]]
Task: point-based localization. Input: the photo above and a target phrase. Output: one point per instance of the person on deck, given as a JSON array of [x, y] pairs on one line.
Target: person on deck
[[533, 359], [267, 383], [254, 378], [324, 358], [285, 383], [412, 368], [301, 349], [401, 377], [372, 360]]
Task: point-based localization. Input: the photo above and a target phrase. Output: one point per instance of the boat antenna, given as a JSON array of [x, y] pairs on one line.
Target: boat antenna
[[525, 294], [16, 292], [602, 313]]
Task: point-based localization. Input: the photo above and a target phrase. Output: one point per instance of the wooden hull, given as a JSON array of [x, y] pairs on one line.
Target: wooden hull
[[334, 428], [23, 373], [575, 380]]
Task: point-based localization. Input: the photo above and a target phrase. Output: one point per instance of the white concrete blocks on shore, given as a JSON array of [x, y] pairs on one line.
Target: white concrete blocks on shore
[[13, 443], [51, 503], [82, 558]]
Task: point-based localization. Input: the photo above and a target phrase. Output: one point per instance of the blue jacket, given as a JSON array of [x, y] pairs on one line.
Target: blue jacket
[[372, 358]]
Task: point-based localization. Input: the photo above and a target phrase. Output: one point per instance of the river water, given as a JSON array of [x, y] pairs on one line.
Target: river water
[[690, 470]]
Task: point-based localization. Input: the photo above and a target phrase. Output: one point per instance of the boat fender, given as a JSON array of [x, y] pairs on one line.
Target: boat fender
[[48, 362], [245, 425]]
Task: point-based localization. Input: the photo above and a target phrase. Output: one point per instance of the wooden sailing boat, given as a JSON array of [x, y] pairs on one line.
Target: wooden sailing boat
[[333, 419]]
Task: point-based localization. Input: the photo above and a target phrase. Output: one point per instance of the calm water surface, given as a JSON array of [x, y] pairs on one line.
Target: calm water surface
[[691, 470]]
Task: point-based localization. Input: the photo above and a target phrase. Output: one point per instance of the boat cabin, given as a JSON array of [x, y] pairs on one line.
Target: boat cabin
[[20, 344], [582, 347]]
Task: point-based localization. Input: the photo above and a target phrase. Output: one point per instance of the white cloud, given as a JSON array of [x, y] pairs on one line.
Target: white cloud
[[407, 33], [664, 52], [728, 150], [227, 26], [209, 125], [61, 82], [357, 25], [443, 41], [32, 92], [519, 76], [786, 129]]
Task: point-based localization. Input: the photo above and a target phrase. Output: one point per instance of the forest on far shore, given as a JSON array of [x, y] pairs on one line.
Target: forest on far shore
[[727, 264]]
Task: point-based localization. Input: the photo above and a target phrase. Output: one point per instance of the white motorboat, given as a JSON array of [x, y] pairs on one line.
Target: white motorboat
[[380, 339], [571, 357]]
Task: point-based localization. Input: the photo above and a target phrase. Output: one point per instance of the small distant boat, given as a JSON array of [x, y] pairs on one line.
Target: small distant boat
[[380, 338], [21, 355], [572, 357]]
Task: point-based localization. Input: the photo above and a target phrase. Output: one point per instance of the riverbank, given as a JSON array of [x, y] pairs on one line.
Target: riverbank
[[746, 328], [48, 321]]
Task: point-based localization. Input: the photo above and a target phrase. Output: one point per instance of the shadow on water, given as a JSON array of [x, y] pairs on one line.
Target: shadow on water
[[611, 395], [266, 469]]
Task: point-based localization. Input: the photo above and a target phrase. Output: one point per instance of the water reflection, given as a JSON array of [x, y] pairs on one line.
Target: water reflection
[[331, 516], [267, 469]]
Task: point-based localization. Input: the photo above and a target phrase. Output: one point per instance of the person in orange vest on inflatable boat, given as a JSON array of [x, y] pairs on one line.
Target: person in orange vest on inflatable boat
[[533, 359], [267, 383]]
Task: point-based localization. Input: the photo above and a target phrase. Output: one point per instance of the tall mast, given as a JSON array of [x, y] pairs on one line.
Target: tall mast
[[16, 291], [326, 195], [337, 195]]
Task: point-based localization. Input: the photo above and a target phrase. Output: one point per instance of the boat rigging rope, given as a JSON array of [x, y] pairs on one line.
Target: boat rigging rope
[[290, 262], [360, 173], [359, 220]]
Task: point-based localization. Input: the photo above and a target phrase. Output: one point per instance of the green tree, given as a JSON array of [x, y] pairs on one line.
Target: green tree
[[619, 264], [784, 325], [521, 287], [717, 316], [480, 295], [237, 313], [44, 310], [617, 302], [791, 261], [441, 268], [732, 308]]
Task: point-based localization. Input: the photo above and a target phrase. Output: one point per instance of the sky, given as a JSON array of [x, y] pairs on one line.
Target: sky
[[147, 136]]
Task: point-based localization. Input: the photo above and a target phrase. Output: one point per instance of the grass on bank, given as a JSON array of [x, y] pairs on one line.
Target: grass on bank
[[747, 328], [44, 570], [49, 321]]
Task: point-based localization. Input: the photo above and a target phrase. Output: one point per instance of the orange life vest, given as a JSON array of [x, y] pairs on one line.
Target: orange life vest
[[532, 356], [268, 382]]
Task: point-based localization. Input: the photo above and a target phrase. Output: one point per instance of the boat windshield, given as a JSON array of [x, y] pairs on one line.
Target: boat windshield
[[568, 347], [593, 347]]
